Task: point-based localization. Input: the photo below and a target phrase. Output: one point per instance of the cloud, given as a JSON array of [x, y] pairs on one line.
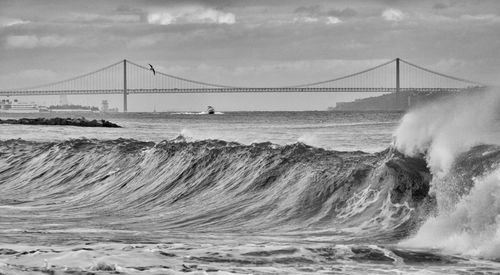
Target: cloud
[[330, 20], [22, 41], [345, 13], [8, 22], [481, 17], [37, 74], [260, 30], [439, 6], [144, 41], [33, 41], [317, 11], [312, 10], [54, 41], [305, 19], [93, 17], [393, 15], [28, 77], [191, 15], [449, 65]]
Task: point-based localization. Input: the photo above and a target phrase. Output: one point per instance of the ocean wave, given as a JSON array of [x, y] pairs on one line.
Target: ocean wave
[[127, 185], [213, 185], [459, 138]]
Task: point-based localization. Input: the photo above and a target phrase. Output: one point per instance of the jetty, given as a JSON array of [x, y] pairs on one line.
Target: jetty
[[80, 122]]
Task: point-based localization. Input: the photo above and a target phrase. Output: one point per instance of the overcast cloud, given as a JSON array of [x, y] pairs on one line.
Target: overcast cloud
[[251, 43]]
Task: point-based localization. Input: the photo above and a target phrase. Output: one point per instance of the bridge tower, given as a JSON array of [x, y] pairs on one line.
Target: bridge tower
[[397, 76], [124, 85]]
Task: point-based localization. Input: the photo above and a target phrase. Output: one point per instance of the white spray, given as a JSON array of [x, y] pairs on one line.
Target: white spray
[[445, 129], [466, 224]]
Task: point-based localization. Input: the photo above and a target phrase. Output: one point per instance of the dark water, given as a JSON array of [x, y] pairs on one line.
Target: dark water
[[245, 193]]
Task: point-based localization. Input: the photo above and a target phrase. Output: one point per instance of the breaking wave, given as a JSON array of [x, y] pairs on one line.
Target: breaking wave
[[459, 139], [213, 185]]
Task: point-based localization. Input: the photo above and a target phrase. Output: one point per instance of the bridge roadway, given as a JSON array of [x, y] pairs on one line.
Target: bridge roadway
[[225, 90]]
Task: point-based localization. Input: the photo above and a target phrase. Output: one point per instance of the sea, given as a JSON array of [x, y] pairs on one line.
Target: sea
[[318, 192]]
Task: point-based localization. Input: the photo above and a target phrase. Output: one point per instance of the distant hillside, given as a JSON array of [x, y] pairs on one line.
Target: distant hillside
[[393, 102]]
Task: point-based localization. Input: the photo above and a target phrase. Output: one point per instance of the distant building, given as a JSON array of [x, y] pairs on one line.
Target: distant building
[[8, 106], [73, 108], [63, 100], [104, 106]]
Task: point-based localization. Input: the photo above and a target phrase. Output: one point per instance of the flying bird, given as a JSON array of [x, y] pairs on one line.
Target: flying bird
[[152, 69]]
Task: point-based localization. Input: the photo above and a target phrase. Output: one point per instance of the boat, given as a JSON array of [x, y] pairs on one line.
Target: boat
[[210, 110], [8, 106]]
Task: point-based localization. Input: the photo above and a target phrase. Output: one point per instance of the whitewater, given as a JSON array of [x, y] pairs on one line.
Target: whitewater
[[257, 193]]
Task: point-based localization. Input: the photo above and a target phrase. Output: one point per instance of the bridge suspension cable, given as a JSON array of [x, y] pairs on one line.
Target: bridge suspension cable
[[212, 85], [119, 78], [76, 78], [342, 77], [442, 75]]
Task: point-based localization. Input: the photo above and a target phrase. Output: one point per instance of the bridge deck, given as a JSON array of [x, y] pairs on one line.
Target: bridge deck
[[224, 90]]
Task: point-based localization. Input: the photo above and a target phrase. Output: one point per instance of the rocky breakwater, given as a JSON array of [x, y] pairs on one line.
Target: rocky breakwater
[[80, 122]]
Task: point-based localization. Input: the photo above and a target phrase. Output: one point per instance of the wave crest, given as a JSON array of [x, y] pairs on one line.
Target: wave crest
[[457, 137], [214, 185]]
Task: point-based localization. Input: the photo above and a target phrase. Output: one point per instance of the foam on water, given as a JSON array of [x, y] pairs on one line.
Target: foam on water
[[472, 228]]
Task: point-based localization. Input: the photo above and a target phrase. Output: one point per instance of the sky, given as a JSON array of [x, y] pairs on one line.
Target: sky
[[243, 43]]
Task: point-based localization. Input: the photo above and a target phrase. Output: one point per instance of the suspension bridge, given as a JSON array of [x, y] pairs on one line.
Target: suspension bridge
[[126, 77]]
